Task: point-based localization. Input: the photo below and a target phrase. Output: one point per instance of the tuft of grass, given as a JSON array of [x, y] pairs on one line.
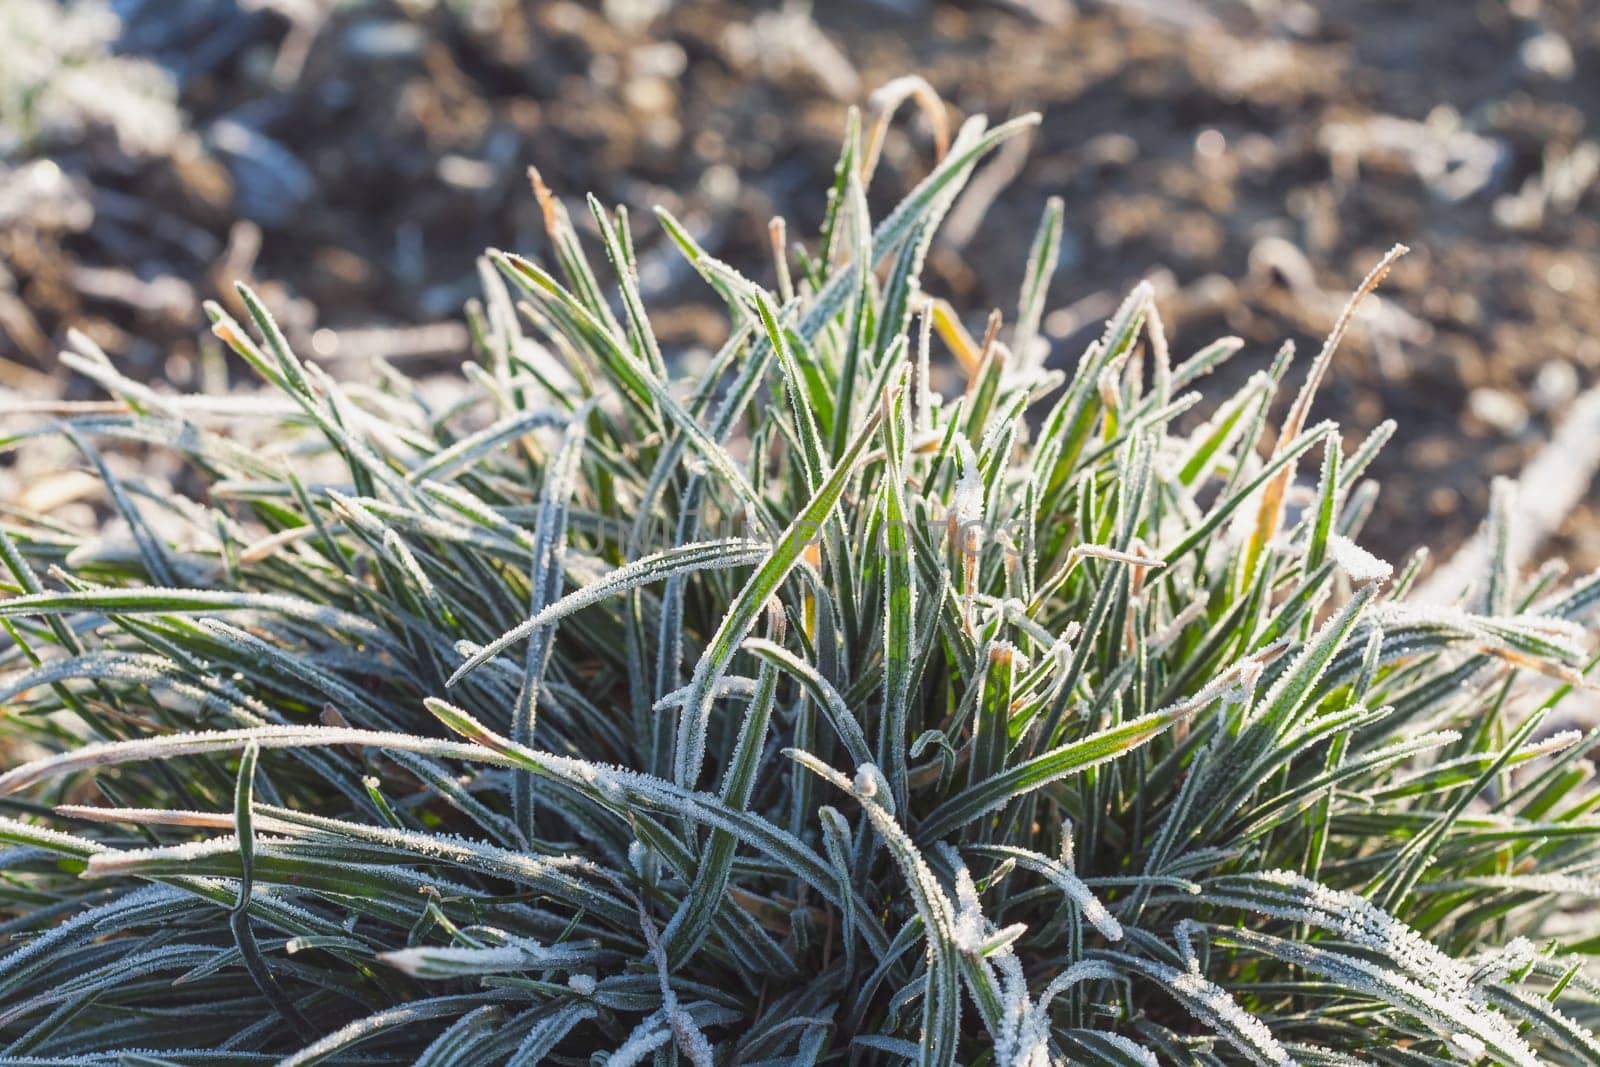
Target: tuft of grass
[[69, 80], [794, 713]]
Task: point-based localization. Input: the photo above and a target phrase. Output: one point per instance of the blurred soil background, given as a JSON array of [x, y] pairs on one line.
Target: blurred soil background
[[1253, 159]]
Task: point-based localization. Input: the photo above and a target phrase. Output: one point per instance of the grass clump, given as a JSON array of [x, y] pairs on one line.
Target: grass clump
[[791, 714]]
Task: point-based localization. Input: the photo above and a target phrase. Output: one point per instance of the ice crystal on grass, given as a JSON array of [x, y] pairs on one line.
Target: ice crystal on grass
[[1357, 562], [792, 714]]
